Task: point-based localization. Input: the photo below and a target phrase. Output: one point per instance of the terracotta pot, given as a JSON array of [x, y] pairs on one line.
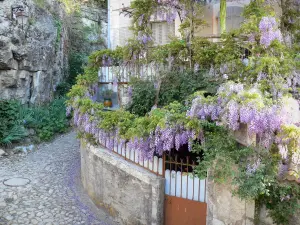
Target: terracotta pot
[[107, 103]]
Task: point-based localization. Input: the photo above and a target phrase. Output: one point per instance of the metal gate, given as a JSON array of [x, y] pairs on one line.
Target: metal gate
[[185, 202]]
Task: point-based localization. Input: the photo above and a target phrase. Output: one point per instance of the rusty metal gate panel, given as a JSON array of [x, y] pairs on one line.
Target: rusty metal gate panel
[[180, 211]]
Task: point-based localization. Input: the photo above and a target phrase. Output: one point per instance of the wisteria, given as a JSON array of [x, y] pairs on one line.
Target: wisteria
[[106, 60], [269, 31], [203, 110], [251, 168], [143, 38], [231, 108], [233, 115], [68, 110], [158, 141]]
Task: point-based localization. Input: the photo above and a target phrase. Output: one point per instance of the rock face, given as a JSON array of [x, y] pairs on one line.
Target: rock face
[[36, 37], [33, 49], [88, 28]]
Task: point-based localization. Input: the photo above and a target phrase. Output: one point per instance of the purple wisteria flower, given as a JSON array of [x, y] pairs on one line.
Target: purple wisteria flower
[[68, 110], [269, 31], [252, 168], [143, 38]]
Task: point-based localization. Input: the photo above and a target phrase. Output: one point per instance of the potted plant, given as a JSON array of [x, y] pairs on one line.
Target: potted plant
[[107, 96]]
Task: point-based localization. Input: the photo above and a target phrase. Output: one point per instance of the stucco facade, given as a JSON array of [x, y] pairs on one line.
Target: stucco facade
[[120, 22]]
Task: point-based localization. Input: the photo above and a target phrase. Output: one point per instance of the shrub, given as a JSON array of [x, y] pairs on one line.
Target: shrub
[[11, 126], [175, 86], [49, 119], [62, 89], [143, 97]]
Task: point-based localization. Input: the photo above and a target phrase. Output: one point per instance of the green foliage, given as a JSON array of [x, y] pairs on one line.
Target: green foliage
[[72, 6], [220, 153], [221, 156], [117, 55], [62, 89], [107, 94], [58, 26], [223, 10], [40, 3], [76, 66], [48, 120], [282, 202], [204, 52], [31, 20], [143, 97], [177, 86], [11, 126]]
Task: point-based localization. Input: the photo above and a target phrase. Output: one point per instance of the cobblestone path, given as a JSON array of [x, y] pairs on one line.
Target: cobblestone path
[[54, 194]]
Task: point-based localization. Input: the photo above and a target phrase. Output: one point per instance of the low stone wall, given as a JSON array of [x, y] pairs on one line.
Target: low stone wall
[[131, 194], [225, 209]]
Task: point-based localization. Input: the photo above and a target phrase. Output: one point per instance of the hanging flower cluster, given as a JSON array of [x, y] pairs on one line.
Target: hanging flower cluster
[[106, 60], [143, 38], [159, 140], [269, 31], [234, 106], [167, 10]]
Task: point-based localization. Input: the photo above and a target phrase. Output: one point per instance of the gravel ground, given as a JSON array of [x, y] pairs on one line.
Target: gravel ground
[[54, 194]]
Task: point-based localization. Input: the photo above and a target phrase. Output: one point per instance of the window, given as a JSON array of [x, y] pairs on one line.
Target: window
[[162, 32]]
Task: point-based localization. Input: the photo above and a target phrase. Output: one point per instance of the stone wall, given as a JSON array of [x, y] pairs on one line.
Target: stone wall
[[36, 37], [130, 193], [33, 46], [225, 209]]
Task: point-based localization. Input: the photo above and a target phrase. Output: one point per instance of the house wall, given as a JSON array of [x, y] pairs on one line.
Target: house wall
[[132, 195], [120, 23]]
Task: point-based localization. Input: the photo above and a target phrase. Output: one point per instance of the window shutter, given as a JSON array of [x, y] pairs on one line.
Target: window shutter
[[161, 32]]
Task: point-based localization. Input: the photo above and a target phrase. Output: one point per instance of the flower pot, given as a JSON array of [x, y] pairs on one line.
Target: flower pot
[[107, 103]]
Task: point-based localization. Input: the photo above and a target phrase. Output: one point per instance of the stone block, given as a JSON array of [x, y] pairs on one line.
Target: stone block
[[8, 78], [291, 110], [243, 136]]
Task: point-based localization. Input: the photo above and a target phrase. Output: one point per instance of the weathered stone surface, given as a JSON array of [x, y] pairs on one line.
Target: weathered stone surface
[[6, 56], [33, 56], [243, 136], [38, 40], [291, 110], [55, 194], [15, 182], [225, 209], [2, 152], [130, 193]]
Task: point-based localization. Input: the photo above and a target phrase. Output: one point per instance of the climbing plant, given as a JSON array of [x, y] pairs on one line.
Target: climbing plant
[[252, 94]]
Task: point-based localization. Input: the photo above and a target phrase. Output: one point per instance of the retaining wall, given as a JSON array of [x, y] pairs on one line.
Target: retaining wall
[[132, 195]]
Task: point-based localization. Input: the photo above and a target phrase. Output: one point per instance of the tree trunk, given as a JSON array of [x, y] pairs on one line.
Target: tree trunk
[[223, 16]]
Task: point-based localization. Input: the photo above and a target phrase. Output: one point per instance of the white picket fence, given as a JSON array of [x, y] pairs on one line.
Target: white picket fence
[[124, 73], [179, 184], [155, 165]]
